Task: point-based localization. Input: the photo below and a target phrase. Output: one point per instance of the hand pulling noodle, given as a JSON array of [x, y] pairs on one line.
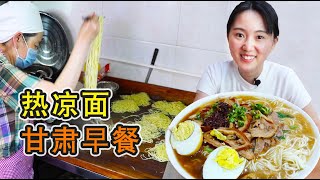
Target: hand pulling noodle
[[91, 66]]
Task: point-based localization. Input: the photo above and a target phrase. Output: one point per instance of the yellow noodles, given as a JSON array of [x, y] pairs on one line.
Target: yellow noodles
[[141, 99], [148, 132], [290, 155], [172, 108], [158, 152], [91, 66], [159, 119], [125, 105]]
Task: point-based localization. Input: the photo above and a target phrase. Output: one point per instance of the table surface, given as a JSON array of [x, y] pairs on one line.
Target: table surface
[[110, 166]]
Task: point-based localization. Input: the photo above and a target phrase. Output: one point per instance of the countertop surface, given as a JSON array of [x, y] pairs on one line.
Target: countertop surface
[[108, 164]]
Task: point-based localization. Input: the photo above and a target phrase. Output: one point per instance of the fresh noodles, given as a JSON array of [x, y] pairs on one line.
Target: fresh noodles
[[152, 126], [91, 66], [141, 99], [290, 155], [170, 108], [157, 153], [126, 105]]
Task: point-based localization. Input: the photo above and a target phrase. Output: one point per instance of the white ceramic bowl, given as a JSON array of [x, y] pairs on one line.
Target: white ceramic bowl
[[300, 175]]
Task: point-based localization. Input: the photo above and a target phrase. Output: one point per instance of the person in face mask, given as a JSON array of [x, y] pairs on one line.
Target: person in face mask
[[21, 31], [29, 59]]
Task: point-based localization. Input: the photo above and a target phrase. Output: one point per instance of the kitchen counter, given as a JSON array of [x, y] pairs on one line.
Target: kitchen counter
[[107, 165]]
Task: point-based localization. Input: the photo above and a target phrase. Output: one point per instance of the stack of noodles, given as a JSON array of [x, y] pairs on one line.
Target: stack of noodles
[[154, 124], [91, 66], [130, 103], [141, 99], [125, 105], [158, 152], [152, 127], [169, 108]]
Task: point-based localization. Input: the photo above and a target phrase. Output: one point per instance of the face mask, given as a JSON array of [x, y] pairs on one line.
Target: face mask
[[29, 60]]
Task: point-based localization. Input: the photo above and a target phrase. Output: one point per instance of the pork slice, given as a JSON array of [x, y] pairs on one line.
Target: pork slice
[[279, 131], [229, 101], [274, 117], [259, 146], [248, 135], [263, 128], [241, 142], [247, 153]]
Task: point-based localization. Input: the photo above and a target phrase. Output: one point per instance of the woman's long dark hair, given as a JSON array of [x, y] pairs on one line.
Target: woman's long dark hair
[[267, 12]]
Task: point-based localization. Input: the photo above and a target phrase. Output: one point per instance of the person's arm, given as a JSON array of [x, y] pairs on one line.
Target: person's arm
[[313, 114], [200, 95], [70, 74], [315, 174]]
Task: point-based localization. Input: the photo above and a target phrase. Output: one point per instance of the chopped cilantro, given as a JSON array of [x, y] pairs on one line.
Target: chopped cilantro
[[264, 110], [283, 115]]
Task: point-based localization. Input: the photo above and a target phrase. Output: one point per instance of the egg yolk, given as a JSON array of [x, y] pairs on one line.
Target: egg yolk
[[184, 130], [218, 134], [228, 158]]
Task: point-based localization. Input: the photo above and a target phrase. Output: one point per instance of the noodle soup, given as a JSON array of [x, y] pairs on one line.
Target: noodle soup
[[277, 139]]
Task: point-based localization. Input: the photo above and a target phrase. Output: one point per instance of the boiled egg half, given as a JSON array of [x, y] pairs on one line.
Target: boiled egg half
[[223, 163], [187, 138]]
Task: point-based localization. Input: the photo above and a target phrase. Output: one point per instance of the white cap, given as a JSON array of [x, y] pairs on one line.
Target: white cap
[[19, 16]]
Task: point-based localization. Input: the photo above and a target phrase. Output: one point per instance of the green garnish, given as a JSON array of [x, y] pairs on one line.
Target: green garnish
[[198, 117], [256, 114], [283, 115], [285, 131], [207, 149], [237, 115], [281, 137], [293, 127], [264, 110]]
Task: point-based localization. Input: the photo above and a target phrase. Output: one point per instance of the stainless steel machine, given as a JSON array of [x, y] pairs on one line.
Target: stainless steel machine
[[53, 50]]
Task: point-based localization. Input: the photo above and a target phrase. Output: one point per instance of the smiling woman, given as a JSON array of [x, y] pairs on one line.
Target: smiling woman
[[252, 33]]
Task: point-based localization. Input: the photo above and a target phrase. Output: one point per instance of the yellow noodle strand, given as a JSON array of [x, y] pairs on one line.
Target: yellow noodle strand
[[92, 64]]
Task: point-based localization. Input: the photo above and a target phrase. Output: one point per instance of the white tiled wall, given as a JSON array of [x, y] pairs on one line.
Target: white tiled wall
[[189, 36]]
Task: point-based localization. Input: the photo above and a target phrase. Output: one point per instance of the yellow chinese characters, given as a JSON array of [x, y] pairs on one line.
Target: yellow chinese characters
[[96, 103], [34, 105], [65, 104]]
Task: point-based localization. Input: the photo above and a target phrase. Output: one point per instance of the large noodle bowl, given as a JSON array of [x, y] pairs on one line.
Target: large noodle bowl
[[278, 139]]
